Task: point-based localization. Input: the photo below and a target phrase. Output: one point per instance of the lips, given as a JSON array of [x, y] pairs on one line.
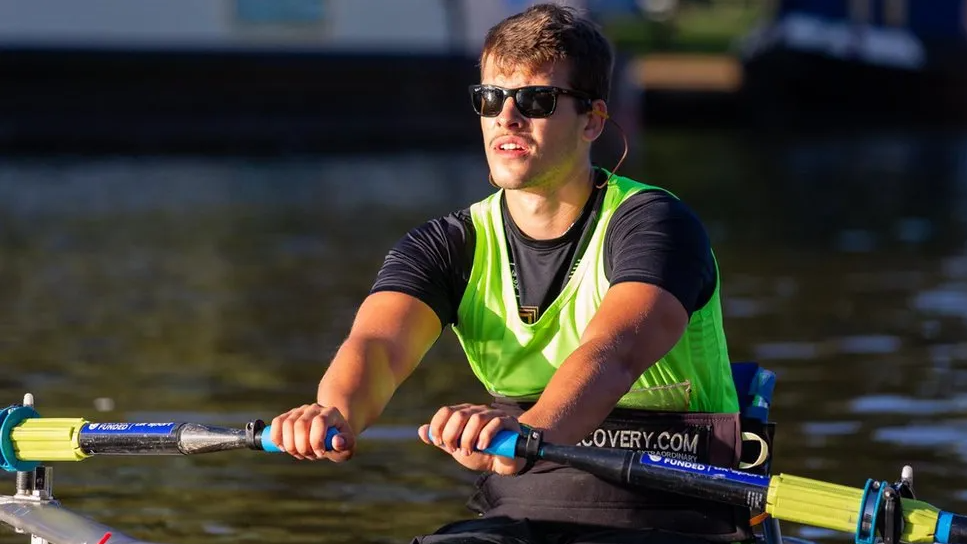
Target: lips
[[511, 145]]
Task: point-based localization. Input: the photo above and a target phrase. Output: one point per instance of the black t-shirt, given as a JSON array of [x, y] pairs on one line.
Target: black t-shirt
[[653, 238]]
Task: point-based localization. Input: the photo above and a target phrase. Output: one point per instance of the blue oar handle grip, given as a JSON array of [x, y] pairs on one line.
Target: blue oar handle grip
[[268, 445], [504, 444]]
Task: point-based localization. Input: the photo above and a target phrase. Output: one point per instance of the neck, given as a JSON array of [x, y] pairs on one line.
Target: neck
[[547, 212]]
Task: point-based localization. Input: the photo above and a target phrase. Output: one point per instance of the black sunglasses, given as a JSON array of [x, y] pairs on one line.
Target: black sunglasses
[[535, 102]]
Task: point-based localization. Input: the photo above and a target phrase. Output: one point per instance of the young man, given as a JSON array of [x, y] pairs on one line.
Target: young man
[[587, 304]]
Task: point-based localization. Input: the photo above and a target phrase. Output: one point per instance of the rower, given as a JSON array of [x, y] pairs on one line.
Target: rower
[[587, 303]]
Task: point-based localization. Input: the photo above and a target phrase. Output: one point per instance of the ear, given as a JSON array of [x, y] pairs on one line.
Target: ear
[[596, 119]]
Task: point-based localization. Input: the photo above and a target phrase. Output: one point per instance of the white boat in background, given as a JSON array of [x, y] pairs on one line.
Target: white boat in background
[[242, 75], [330, 26], [899, 62]]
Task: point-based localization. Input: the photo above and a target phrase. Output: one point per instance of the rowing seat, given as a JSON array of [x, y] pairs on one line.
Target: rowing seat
[[755, 385]]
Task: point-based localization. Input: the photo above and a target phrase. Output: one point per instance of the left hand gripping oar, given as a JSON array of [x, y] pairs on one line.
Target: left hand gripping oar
[[876, 510], [26, 439]]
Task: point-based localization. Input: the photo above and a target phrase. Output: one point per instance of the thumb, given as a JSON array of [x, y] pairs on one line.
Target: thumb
[[343, 442], [506, 466]]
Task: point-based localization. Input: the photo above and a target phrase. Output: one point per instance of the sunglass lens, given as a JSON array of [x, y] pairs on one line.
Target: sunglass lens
[[536, 103], [487, 101]]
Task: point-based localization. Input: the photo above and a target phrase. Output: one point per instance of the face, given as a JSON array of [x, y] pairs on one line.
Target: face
[[525, 153]]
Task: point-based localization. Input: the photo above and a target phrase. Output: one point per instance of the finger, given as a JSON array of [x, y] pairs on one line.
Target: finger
[[437, 422], [453, 430], [424, 433], [494, 426], [471, 430], [301, 427], [275, 434], [288, 436]]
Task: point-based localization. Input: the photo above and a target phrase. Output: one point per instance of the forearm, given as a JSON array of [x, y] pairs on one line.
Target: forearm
[[582, 392], [360, 381], [635, 326]]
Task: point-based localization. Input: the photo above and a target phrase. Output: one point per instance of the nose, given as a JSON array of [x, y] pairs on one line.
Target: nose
[[509, 114]]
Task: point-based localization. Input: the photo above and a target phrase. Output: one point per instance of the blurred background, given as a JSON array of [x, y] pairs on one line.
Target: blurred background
[[195, 195]]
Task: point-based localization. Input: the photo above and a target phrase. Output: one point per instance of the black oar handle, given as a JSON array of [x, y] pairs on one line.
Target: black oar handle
[[951, 529]]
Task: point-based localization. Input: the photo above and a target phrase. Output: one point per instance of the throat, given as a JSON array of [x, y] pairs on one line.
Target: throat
[[544, 221], [547, 214], [549, 228]]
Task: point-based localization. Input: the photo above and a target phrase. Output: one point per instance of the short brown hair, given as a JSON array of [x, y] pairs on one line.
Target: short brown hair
[[549, 32]]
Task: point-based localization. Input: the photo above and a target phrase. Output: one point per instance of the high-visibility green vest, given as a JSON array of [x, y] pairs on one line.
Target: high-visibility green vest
[[516, 360]]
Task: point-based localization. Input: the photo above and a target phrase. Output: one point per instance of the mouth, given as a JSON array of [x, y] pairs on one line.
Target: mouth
[[511, 146]]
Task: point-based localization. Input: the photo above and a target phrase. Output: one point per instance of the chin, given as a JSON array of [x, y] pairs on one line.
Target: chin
[[510, 181], [511, 178]]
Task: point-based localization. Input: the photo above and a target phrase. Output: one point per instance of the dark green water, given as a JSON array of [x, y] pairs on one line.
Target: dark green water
[[215, 290]]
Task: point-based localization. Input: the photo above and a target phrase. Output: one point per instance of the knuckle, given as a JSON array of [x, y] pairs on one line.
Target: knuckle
[[478, 418]]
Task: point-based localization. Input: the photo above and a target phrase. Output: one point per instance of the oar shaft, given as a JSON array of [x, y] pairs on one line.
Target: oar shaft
[[61, 439], [58, 439], [158, 438], [641, 469], [785, 497], [951, 529]]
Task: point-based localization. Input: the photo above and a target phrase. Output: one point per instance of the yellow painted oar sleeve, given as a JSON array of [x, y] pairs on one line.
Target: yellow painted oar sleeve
[[837, 507], [920, 521], [48, 439]]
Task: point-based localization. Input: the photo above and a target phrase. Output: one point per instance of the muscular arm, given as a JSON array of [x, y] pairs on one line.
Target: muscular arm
[[415, 294], [635, 326], [389, 337], [395, 326], [661, 270]]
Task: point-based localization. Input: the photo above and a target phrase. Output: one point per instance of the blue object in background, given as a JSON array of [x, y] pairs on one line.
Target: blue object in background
[[596, 8], [600, 8], [280, 11], [936, 19]]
